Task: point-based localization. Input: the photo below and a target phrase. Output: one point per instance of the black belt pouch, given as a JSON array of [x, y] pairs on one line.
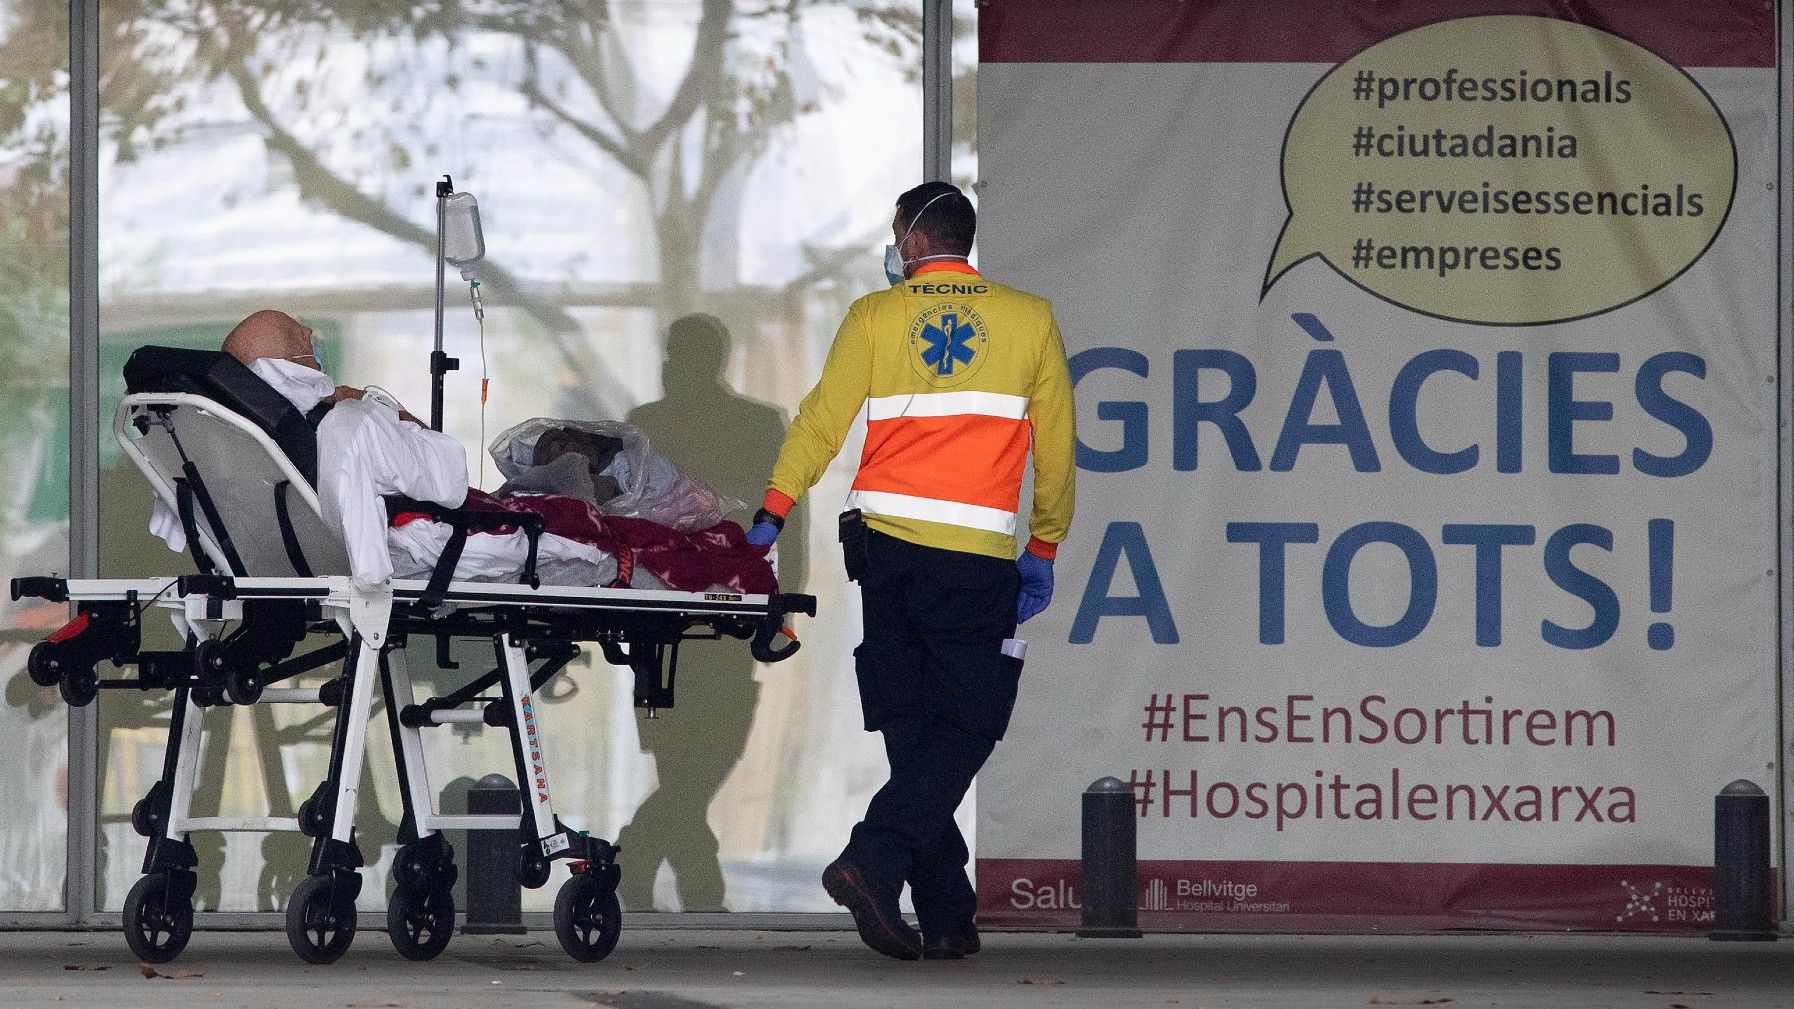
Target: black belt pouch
[[853, 543]]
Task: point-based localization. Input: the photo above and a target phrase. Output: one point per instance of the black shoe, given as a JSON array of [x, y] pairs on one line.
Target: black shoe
[[881, 925], [951, 947]]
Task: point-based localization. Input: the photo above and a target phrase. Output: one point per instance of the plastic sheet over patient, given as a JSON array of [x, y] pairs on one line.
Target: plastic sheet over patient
[[585, 458]]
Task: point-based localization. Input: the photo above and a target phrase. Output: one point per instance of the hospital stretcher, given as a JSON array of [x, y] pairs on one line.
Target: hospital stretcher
[[238, 469]]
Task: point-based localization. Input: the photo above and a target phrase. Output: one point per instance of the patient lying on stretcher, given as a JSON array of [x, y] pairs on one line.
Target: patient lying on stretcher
[[624, 518]]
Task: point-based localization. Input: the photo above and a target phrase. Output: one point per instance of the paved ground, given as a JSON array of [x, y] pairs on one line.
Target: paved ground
[[667, 969]]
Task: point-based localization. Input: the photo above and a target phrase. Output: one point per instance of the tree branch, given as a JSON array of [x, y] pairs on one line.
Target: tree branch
[[630, 160], [702, 80], [581, 54]]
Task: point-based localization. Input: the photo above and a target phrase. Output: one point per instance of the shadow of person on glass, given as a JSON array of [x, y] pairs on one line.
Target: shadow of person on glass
[[729, 442]]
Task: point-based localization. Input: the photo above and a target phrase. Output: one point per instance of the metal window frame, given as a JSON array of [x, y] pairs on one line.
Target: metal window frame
[[1784, 459], [937, 90], [80, 854]]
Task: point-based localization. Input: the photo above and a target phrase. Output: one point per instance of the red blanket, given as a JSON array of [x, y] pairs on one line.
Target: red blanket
[[689, 562]]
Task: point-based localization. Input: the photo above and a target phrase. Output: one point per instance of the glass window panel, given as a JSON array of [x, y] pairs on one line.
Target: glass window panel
[[34, 438], [680, 200]]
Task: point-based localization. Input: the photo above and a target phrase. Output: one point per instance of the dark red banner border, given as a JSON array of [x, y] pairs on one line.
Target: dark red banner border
[[1364, 896], [1718, 33]]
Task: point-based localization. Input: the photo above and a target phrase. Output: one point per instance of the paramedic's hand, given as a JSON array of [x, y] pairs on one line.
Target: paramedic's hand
[[1037, 586], [766, 528]]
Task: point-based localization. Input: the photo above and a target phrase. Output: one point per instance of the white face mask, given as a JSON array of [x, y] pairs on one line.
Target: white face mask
[[893, 265], [894, 261]]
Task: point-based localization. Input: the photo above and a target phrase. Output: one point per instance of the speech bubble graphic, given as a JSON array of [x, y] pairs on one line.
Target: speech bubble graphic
[[1506, 170]]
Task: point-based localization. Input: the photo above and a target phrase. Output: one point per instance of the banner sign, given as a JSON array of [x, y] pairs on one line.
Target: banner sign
[[1425, 567]]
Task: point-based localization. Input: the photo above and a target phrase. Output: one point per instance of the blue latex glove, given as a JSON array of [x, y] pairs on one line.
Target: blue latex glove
[[1037, 586], [763, 534]]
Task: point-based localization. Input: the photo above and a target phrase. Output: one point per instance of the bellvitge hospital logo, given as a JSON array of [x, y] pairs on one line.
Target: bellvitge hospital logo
[[947, 345]]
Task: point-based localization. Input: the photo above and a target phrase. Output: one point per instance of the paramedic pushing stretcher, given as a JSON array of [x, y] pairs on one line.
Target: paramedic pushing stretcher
[[958, 374]]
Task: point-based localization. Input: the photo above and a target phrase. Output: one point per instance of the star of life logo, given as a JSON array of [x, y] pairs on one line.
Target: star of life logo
[[947, 345]]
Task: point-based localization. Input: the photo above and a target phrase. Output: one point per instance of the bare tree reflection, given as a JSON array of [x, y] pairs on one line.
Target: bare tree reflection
[[685, 126]]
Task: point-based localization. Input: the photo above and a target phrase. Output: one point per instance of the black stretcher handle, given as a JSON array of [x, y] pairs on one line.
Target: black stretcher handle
[[48, 587], [778, 607]]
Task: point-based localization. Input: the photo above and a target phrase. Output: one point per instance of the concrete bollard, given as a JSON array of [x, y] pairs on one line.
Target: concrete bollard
[[1743, 908], [494, 896], [1111, 904]]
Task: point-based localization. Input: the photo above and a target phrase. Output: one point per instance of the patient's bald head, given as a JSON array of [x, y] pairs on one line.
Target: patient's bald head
[[269, 333]]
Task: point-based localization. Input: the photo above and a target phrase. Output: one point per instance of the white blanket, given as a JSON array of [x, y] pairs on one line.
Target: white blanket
[[491, 557]]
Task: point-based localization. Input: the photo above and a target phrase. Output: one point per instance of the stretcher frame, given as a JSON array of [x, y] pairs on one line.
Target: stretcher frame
[[638, 628]]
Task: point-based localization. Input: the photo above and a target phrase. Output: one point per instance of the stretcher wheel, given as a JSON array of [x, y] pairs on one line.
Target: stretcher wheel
[[151, 811], [418, 867], [242, 686], [44, 664], [208, 697], [532, 868], [208, 661], [421, 920], [143, 821], [321, 920], [314, 816], [158, 919], [79, 686], [587, 918], [409, 870]]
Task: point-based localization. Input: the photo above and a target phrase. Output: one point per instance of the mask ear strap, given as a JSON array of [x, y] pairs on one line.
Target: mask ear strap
[[912, 226]]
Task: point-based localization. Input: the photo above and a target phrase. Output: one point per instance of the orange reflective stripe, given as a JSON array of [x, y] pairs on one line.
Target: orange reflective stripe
[[967, 458]]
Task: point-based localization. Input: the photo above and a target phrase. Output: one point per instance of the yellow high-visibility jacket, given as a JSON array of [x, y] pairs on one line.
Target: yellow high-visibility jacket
[[957, 374]]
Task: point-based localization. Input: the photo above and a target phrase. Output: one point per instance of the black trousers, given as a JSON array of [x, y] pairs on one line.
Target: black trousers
[[933, 679]]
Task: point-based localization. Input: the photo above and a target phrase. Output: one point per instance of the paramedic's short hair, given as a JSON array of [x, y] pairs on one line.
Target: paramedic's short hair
[[950, 223]]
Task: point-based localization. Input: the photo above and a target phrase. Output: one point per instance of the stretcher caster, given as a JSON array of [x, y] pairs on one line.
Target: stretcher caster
[[208, 663], [532, 868], [427, 863], [79, 686], [45, 663], [421, 920], [242, 686], [151, 811], [159, 916], [315, 814], [321, 918], [587, 917]]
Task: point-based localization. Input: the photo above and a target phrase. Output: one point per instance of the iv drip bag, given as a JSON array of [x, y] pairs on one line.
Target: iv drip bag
[[463, 244]]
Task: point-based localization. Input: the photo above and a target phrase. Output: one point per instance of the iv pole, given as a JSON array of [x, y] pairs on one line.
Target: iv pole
[[440, 363]]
